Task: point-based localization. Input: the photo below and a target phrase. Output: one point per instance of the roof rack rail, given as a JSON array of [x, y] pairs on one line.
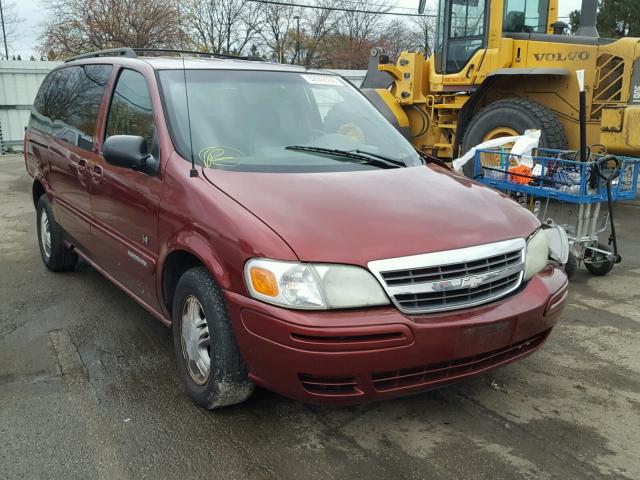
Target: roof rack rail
[[142, 52], [110, 52], [147, 51]]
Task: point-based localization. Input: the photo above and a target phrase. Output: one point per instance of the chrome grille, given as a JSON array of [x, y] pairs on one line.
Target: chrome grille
[[452, 279]]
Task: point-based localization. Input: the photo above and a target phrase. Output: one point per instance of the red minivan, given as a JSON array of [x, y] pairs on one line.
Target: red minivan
[[288, 233]]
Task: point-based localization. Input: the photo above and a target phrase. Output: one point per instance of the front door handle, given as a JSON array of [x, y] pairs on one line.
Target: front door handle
[[82, 166], [97, 173], [470, 69]]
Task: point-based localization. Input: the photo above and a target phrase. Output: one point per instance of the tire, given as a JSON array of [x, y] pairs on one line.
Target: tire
[[571, 266], [55, 255], [599, 264], [226, 382], [518, 114]]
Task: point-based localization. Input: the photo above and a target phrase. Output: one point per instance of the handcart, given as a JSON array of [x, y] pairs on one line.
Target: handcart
[[562, 190]]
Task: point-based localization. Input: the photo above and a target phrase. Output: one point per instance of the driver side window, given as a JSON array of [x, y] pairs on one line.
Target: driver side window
[[466, 33], [131, 112]]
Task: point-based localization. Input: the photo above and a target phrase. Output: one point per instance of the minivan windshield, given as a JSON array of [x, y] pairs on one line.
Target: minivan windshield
[[278, 122]]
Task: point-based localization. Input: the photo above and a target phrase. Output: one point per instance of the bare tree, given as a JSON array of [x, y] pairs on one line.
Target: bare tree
[[10, 22], [396, 37], [358, 31], [276, 32], [422, 35], [222, 26], [77, 26], [416, 36], [318, 25], [362, 27]]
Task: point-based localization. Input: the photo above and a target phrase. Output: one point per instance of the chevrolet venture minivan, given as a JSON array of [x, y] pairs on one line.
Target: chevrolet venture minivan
[[290, 236]]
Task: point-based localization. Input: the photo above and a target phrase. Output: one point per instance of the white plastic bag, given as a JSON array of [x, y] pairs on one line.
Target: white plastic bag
[[522, 145]]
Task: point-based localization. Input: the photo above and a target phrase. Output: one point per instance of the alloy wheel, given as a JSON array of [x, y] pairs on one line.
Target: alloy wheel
[[195, 340], [45, 234]]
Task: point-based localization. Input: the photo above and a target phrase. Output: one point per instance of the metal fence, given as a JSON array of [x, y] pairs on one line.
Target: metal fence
[[19, 83]]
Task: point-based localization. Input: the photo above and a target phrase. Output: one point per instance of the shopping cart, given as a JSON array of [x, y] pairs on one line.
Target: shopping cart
[[561, 190]]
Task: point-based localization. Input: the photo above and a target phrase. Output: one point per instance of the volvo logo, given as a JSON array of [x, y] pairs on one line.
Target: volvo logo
[[561, 56]]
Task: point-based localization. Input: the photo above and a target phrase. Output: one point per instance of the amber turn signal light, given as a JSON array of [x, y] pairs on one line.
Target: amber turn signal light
[[264, 281]]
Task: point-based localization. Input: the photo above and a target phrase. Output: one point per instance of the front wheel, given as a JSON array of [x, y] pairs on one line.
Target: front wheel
[[209, 361]]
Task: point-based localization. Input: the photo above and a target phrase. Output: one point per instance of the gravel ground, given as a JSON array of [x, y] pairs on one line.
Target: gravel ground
[[88, 388]]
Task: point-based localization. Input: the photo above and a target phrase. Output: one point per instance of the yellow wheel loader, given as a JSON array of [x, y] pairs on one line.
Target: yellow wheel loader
[[502, 66]]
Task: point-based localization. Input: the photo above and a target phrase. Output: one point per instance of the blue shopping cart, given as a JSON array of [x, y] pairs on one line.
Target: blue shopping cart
[[560, 189]]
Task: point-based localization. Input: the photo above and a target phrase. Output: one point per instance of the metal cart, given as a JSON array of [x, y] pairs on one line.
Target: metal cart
[[561, 190]]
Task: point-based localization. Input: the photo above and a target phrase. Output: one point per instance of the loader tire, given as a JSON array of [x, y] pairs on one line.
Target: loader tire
[[516, 115]]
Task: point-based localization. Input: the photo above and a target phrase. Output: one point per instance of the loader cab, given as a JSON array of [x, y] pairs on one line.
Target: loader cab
[[464, 25], [525, 16], [461, 32]]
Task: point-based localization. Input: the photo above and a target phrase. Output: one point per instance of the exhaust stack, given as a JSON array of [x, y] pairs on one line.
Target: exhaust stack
[[588, 15]]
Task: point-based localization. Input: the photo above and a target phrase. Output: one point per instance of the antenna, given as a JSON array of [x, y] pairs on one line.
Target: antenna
[[193, 172]]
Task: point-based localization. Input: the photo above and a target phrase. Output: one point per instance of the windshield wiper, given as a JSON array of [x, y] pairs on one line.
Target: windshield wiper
[[367, 157], [384, 158]]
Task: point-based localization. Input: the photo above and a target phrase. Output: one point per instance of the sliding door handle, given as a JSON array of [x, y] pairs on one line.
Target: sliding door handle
[[97, 173]]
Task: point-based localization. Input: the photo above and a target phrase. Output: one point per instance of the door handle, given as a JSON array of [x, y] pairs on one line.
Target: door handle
[[470, 69], [82, 166], [97, 173]]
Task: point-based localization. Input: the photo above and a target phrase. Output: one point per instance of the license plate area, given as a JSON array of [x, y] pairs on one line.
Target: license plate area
[[485, 338]]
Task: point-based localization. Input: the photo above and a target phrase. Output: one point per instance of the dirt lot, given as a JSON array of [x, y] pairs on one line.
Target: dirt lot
[[88, 388]]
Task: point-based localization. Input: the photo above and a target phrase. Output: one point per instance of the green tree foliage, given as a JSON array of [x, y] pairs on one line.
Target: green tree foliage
[[619, 18], [574, 20], [616, 18]]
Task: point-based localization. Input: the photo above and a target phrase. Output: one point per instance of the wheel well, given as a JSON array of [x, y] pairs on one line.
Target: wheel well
[[175, 265], [37, 191], [494, 87]]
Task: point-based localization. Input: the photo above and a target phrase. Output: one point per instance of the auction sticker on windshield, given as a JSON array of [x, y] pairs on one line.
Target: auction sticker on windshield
[[322, 79]]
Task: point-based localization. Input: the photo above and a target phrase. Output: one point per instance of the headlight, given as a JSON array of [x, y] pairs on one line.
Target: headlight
[[558, 242], [537, 254], [312, 286]]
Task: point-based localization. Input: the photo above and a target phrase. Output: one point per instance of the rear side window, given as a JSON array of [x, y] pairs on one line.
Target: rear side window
[[39, 119], [131, 112], [68, 102]]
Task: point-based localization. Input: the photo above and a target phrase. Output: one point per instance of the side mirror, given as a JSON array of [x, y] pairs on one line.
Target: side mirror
[[129, 151]]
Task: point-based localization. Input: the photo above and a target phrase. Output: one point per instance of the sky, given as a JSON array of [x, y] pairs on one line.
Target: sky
[[35, 13]]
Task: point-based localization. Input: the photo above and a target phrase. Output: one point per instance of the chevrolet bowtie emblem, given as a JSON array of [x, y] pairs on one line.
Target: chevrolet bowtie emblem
[[472, 282], [467, 282]]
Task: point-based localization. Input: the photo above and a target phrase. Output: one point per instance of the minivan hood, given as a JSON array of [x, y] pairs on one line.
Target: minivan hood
[[359, 216]]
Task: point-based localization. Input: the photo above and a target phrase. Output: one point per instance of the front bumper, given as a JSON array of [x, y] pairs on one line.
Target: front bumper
[[354, 356]]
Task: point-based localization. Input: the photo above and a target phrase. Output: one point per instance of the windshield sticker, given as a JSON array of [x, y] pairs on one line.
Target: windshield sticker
[[322, 79], [211, 156]]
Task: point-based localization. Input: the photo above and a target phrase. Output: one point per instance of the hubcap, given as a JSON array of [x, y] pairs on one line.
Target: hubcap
[[195, 340], [45, 234], [499, 132]]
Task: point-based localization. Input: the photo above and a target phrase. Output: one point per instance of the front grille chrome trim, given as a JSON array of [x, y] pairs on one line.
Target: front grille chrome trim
[[454, 283], [460, 272]]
